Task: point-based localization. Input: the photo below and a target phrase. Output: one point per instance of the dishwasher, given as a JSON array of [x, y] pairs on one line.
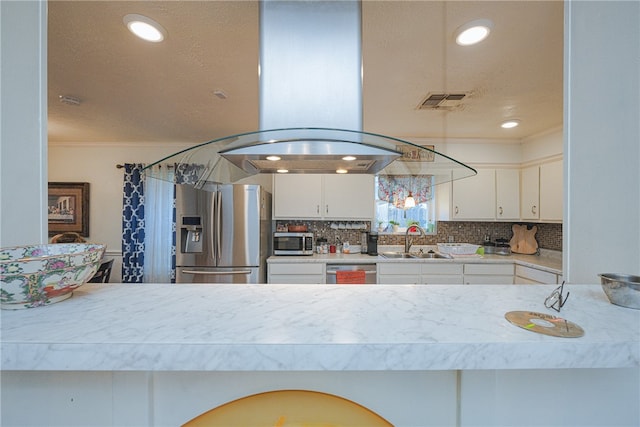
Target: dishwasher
[[351, 274]]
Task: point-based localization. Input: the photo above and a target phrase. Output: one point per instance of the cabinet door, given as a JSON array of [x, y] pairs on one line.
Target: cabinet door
[[348, 197], [551, 191], [507, 194], [475, 197], [530, 193], [297, 196]]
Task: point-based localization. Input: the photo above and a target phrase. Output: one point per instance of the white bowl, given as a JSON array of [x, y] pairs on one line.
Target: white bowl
[[37, 275]]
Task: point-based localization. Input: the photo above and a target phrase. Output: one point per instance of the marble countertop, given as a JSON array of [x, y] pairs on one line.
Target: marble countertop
[[550, 261], [162, 327]]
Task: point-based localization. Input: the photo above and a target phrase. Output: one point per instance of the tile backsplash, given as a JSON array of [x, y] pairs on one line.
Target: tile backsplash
[[549, 236]]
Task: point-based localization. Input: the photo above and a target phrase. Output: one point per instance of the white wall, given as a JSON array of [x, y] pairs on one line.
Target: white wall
[[23, 128], [543, 146], [602, 139]]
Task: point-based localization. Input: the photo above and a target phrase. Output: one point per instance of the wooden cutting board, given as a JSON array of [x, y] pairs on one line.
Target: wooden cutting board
[[524, 240]]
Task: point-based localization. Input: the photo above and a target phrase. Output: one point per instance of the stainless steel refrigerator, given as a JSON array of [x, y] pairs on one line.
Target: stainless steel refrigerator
[[223, 234]]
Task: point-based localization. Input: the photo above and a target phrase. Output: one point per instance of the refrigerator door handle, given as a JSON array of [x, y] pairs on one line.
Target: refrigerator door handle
[[218, 225], [216, 273]]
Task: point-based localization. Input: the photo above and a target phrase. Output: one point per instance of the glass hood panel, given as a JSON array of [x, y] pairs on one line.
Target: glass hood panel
[[307, 150]]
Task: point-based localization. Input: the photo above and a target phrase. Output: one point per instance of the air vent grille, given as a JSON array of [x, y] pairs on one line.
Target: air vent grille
[[442, 101]]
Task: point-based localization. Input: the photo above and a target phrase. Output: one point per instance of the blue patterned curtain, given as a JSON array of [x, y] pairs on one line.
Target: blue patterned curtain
[[133, 224]]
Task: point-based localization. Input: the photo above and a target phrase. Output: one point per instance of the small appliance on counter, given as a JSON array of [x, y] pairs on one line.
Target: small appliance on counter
[[288, 243], [503, 247], [372, 243]]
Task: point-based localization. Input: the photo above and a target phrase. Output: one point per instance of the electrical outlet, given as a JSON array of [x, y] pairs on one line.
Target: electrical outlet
[[450, 239]]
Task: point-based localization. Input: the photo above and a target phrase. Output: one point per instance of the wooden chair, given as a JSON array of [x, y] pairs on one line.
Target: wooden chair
[[103, 273]]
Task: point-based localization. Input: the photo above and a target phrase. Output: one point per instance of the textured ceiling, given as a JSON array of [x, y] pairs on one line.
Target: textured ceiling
[[135, 91]]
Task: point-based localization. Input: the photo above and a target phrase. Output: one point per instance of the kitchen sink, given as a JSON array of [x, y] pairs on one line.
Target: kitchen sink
[[431, 255], [396, 255], [425, 255]]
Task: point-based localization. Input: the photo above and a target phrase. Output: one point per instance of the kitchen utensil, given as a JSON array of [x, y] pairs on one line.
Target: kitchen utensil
[[621, 289], [524, 239]]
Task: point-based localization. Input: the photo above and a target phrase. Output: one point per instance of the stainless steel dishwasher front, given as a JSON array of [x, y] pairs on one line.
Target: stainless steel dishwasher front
[[368, 269]]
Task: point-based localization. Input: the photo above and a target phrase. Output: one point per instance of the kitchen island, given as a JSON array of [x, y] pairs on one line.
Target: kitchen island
[[125, 354]]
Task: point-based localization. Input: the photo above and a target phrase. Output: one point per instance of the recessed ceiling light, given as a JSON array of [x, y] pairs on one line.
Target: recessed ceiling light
[[273, 158], [348, 158], [283, 171], [144, 27], [341, 170], [508, 124], [473, 32]]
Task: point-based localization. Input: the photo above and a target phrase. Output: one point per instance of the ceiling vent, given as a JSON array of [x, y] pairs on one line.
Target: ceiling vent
[[442, 101]]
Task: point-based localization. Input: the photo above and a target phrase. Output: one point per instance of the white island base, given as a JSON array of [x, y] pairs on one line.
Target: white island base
[[160, 355]]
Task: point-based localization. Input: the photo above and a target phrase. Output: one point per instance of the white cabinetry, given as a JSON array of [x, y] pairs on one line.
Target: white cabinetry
[[475, 197], [492, 194], [542, 192], [302, 196], [488, 274], [551, 191], [507, 194], [401, 273], [296, 273], [416, 273], [530, 193], [441, 274], [530, 275]]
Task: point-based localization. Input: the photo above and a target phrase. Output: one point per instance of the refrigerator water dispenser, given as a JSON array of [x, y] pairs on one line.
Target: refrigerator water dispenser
[[191, 235]]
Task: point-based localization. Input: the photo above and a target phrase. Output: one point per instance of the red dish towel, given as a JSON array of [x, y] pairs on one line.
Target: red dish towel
[[350, 277]]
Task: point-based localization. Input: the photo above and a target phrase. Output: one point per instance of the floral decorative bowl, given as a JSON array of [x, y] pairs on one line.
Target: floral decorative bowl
[[37, 275]]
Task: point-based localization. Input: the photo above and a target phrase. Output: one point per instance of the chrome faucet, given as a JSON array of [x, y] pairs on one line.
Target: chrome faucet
[[408, 241]]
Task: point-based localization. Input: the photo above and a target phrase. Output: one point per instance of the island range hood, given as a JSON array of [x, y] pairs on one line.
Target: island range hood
[[310, 80]]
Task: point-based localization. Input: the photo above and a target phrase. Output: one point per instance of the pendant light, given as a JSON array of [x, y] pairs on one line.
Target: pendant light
[[409, 202]]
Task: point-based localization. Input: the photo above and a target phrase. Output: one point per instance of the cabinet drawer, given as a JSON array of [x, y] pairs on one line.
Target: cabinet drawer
[[399, 279], [486, 279], [399, 268], [441, 268], [495, 269], [442, 279], [296, 268], [296, 279], [535, 274]]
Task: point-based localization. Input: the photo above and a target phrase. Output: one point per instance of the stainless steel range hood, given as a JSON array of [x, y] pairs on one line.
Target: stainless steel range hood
[[311, 151], [310, 107]]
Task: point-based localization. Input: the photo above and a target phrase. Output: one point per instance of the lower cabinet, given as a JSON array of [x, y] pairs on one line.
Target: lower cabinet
[[419, 273], [530, 275], [296, 273], [488, 274]]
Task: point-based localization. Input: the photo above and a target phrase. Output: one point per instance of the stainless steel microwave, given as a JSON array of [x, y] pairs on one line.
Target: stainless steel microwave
[[292, 243]]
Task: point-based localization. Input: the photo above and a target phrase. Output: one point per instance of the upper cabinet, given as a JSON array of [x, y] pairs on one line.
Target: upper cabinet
[[348, 197], [507, 194], [493, 194], [542, 192], [475, 197], [551, 191]]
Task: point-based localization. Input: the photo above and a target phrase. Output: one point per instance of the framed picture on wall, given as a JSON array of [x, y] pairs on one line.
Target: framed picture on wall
[[410, 154], [68, 208]]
